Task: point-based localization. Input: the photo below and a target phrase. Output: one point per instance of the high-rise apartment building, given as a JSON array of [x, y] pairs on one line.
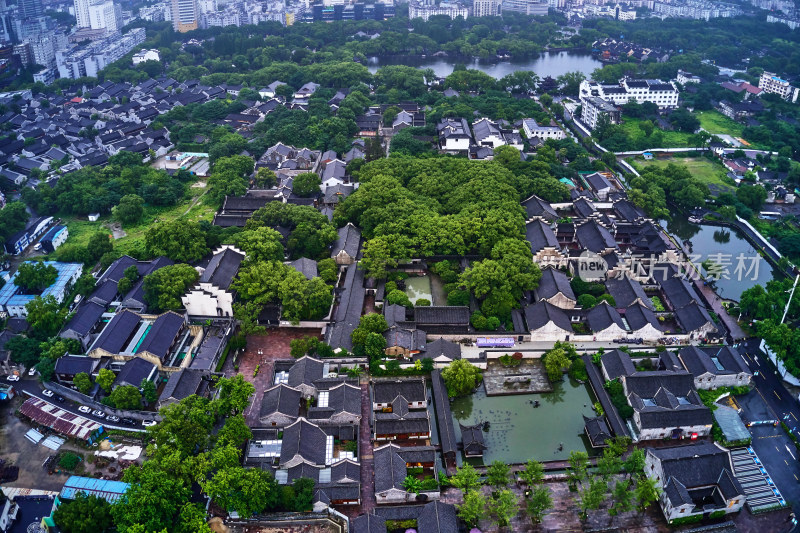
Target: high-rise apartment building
[[82, 13], [104, 15], [485, 8], [30, 8], [185, 15]]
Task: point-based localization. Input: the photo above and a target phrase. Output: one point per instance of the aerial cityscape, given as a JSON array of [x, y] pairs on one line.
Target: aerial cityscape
[[372, 266]]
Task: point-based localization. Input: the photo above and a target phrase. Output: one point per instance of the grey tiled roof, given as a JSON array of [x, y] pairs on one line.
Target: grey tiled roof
[[222, 268], [307, 267], [540, 235], [281, 399], [441, 347], [694, 466], [542, 313], [603, 316], [85, 318], [441, 315], [183, 384], [553, 281], [437, 517], [638, 316], [412, 390], [617, 363], [625, 291], [692, 316], [349, 241], [305, 440], [134, 371]]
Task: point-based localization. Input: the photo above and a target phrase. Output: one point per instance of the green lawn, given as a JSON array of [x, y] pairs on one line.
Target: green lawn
[[670, 139], [709, 172], [80, 229], [715, 122]]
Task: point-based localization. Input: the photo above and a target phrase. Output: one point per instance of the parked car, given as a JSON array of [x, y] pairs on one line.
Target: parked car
[[48, 393], [12, 378], [149, 423], [37, 246], [98, 413], [84, 409], [32, 371], [129, 421], [60, 399], [112, 418]]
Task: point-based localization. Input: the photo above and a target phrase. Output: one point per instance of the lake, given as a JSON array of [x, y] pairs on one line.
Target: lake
[[519, 431], [708, 242], [546, 64]]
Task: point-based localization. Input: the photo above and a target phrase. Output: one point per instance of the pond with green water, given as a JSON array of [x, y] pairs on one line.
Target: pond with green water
[[519, 431], [418, 287]]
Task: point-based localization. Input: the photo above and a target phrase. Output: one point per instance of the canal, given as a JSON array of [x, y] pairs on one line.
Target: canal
[[546, 64], [519, 431], [725, 246]]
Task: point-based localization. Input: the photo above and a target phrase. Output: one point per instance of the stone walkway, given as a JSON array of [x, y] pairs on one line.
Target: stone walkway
[[365, 447]]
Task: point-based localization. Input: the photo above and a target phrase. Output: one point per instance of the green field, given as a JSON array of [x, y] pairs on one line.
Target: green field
[[715, 122], [709, 172], [191, 208], [670, 139]]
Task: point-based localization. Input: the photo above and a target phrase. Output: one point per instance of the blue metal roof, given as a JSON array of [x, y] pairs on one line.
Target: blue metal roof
[[111, 491], [9, 293], [54, 232]]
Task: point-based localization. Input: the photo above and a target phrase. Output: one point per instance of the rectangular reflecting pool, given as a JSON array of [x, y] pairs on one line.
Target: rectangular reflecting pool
[[519, 431], [418, 287]]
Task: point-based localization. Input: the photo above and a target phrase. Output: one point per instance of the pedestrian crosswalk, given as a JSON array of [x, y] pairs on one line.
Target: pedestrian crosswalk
[[760, 490]]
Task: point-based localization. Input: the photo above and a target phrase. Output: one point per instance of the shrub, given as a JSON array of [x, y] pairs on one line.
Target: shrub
[[458, 297], [577, 370], [617, 394], [587, 301], [423, 302], [69, 460]]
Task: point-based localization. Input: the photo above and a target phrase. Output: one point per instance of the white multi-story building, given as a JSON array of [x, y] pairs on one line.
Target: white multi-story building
[[105, 15], [792, 22], [533, 129], [88, 60], [593, 107], [146, 55], [43, 50], [771, 83], [207, 6], [448, 9], [485, 8], [220, 18], [526, 7], [82, 13], [687, 77], [662, 93]]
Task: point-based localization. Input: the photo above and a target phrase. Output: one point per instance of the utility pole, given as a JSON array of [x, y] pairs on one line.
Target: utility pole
[[786, 310]]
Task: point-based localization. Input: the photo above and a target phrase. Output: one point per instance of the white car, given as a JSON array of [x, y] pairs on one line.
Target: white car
[[37, 246], [112, 418], [84, 409], [12, 378], [98, 413], [149, 423], [32, 371], [48, 393]]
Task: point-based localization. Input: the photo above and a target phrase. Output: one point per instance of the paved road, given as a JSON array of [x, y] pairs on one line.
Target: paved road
[[771, 400], [32, 388]]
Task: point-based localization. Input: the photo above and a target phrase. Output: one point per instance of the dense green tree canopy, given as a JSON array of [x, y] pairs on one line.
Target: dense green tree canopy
[[164, 287]]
